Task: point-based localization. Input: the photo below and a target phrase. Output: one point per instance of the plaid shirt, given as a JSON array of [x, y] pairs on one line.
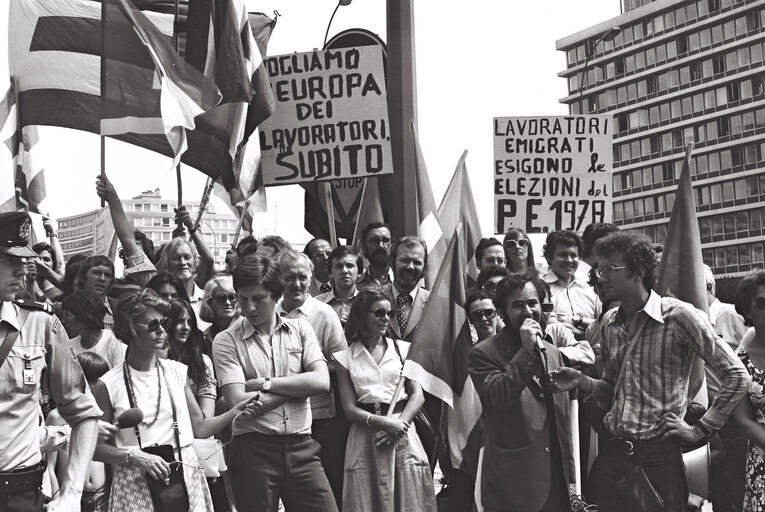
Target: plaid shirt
[[656, 380]]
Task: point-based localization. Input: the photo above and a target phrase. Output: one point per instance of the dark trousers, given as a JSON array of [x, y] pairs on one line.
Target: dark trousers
[[332, 435], [461, 491], [29, 501], [662, 461], [265, 468], [728, 479]]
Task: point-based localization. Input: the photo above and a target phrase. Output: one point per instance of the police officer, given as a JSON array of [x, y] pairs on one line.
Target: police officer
[[34, 346]]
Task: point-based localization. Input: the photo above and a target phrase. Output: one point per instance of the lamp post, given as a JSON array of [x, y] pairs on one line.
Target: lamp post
[[608, 35]]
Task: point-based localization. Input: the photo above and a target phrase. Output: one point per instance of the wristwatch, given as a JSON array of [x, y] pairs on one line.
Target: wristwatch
[[577, 320], [707, 433], [266, 384]]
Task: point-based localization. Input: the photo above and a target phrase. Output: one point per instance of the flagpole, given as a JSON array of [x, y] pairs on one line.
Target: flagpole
[[357, 229], [203, 203], [330, 213], [176, 42], [239, 224], [396, 395], [103, 164]]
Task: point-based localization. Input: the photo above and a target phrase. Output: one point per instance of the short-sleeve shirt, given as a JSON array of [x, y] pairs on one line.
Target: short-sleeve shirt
[[208, 389], [146, 390], [241, 353], [42, 348], [576, 298], [374, 382], [329, 333], [109, 348]]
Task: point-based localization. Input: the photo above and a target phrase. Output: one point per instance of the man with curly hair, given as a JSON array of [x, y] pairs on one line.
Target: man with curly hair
[[648, 345]]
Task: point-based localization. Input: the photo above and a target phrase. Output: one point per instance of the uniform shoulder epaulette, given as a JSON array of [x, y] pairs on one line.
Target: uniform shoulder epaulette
[[34, 305]]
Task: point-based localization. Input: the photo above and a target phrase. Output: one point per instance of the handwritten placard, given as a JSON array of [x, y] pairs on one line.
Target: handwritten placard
[[552, 173], [331, 117]]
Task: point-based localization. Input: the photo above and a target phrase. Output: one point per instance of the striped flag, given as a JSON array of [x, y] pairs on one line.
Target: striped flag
[[370, 209], [54, 52], [139, 63], [22, 179], [681, 272], [428, 226]]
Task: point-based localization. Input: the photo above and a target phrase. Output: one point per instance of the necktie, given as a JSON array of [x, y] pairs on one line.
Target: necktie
[[325, 287], [401, 302]]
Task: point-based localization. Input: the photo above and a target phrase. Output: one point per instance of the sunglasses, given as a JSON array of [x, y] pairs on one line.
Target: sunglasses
[[488, 314], [512, 244], [382, 313], [155, 324], [758, 303], [223, 299], [490, 286]]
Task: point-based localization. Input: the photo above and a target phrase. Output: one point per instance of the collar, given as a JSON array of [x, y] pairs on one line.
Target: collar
[[198, 294], [307, 308], [248, 329], [550, 278], [332, 297], [388, 275], [396, 293], [108, 306], [652, 308], [8, 314], [318, 283], [714, 310], [358, 349]]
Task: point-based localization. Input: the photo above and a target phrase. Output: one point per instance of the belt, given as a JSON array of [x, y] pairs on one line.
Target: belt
[[279, 438], [22, 480], [381, 408], [633, 446]]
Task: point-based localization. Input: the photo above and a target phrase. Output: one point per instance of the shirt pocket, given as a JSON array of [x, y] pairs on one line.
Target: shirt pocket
[[295, 359], [23, 368]]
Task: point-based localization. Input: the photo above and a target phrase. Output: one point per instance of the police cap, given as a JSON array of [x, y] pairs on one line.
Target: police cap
[[15, 228]]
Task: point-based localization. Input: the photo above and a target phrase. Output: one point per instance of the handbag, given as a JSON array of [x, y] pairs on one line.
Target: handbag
[[172, 496], [210, 456]]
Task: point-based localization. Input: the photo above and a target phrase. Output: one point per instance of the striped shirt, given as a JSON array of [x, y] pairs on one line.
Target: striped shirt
[[656, 380], [241, 353]]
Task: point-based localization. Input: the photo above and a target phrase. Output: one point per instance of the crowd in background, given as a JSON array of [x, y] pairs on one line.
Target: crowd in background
[[277, 381]]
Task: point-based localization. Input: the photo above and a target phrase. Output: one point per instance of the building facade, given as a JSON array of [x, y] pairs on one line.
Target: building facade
[[154, 216], [682, 71]]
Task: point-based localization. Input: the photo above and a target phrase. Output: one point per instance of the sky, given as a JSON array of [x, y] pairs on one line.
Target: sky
[[475, 61]]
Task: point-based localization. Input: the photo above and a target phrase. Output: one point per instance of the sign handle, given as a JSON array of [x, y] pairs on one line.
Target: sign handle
[[327, 185]]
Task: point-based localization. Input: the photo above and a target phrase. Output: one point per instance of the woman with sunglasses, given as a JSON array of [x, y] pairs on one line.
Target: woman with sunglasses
[[219, 306], [750, 413], [160, 389], [520, 254], [386, 468]]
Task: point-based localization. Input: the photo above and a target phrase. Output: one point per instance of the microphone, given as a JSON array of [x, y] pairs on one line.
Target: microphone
[[539, 344], [129, 419]]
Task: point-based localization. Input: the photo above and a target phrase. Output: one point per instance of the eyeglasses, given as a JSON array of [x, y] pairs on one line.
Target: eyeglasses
[[512, 244], [156, 323], [488, 314], [379, 240], [758, 303], [382, 313], [224, 299], [607, 270], [548, 307]]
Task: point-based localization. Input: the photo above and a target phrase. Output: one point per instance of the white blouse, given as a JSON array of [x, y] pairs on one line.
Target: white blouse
[[373, 382]]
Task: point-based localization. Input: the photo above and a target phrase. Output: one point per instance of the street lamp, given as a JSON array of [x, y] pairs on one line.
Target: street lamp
[[608, 35], [341, 2]]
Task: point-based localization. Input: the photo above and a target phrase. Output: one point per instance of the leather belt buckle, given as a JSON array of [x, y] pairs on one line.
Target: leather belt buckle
[[378, 409], [630, 447]]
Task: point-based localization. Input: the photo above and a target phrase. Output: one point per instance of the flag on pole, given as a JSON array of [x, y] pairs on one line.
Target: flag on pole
[[133, 48], [22, 179], [681, 272], [428, 226], [458, 205], [54, 53]]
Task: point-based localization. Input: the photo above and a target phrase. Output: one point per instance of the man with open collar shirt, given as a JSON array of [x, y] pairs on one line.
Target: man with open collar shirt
[[652, 340], [35, 347]]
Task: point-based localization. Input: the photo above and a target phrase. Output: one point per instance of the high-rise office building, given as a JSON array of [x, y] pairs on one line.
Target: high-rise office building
[[679, 71]]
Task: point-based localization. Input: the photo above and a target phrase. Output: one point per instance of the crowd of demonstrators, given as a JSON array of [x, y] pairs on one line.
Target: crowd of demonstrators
[[293, 359]]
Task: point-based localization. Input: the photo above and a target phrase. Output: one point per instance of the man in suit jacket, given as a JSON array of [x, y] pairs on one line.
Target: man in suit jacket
[[318, 251], [408, 298], [527, 457]]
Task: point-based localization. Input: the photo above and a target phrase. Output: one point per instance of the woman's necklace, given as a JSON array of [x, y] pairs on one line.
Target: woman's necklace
[[159, 393]]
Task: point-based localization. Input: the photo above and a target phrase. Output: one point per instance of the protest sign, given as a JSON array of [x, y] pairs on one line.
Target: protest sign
[[552, 173], [331, 117]]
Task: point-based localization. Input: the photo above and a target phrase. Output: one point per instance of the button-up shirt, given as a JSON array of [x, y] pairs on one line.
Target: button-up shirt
[[241, 353], [669, 333], [341, 306], [329, 333], [42, 348], [367, 280], [374, 383], [575, 298]]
